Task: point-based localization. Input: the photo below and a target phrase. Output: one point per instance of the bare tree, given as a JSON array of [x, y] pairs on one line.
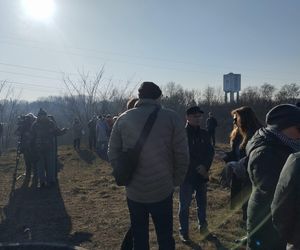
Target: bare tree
[[210, 97], [250, 96], [83, 94], [267, 92], [8, 112], [288, 93], [89, 95]]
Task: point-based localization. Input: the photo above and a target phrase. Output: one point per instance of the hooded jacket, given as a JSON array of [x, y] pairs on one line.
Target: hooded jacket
[[267, 155]]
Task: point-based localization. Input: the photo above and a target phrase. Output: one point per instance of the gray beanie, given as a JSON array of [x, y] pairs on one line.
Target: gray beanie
[[149, 90], [283, 116]]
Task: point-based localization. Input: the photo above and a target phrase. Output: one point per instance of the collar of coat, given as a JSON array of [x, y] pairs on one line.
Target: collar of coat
[[143, 102]]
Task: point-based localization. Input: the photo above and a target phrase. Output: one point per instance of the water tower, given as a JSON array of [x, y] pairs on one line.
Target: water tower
[[231, 86]]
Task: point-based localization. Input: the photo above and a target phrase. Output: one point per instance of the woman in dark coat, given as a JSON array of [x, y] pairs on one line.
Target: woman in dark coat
[[245, 123]]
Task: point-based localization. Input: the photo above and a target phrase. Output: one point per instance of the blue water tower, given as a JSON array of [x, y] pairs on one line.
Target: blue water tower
[[231, 86]]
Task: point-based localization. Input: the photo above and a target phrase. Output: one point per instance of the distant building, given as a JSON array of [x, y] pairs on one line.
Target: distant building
[[231, 86]]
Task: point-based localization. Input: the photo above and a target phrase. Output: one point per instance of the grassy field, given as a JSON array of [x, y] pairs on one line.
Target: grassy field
[[89, 210]]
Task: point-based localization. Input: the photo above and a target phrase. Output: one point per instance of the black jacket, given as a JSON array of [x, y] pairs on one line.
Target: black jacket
[[286, 202], [267, 155], [201, 152], [211, 124]]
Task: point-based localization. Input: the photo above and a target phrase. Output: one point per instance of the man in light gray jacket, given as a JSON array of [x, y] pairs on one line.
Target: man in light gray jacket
[[162, 165]]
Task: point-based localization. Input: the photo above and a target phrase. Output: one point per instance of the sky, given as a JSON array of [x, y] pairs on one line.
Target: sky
[[189, 42]]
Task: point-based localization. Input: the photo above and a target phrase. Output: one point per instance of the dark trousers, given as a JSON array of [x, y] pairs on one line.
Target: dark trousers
[[212, 136], [162, 216], [76, 143], [92, 141]]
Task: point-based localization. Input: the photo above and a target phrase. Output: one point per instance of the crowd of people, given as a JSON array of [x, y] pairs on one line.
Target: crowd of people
[[178, 155], [262, 167], [38, 144], [99, 133]]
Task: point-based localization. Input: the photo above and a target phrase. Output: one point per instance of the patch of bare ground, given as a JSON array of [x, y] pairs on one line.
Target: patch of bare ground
[[87, 209]]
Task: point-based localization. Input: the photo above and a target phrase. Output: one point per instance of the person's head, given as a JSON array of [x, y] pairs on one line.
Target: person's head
[[30, 118], [245, 119], [42, 114], [149, 90], [194, 115], [286, 119], [245, 124], [109, 119], [210, 114], [51, 118], [131, 102]]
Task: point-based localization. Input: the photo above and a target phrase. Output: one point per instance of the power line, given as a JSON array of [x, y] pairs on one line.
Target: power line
[[32, 85], [50, 71], [132, 56], [120, 61], [32, 68], [30, 75]]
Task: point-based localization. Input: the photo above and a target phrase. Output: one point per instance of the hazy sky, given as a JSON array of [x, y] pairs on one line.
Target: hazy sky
[[190, 42]]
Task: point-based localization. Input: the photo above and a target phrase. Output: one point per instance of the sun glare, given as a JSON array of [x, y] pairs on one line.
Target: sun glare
[[39, 9]]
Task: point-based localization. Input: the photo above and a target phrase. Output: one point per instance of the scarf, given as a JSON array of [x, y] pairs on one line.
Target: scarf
[[292, 143]]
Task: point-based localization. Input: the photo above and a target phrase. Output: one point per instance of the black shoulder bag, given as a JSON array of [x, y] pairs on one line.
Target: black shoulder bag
[[128, 161]]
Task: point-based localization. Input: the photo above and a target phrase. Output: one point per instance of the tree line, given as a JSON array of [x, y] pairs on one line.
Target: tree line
[[88, 96]]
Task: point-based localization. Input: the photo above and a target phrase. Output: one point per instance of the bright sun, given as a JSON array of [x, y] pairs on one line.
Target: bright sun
[[39, 9]]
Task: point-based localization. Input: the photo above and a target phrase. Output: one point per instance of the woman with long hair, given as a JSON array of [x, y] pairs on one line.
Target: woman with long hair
[[245, 123]]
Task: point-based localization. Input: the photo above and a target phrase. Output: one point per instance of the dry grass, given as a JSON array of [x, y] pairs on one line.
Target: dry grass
[[89, 210]]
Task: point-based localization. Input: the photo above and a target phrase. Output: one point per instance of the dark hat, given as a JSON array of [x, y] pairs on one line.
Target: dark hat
[[149, 90], [41, 112], [283, 116], [194, 110]]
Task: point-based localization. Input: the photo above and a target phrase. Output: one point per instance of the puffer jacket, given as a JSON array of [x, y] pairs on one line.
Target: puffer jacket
[[267, 155], [286, 203], [164, 158]]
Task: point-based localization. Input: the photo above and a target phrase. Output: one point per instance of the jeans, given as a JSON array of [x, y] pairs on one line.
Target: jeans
[[162, 216], [185, 199]]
